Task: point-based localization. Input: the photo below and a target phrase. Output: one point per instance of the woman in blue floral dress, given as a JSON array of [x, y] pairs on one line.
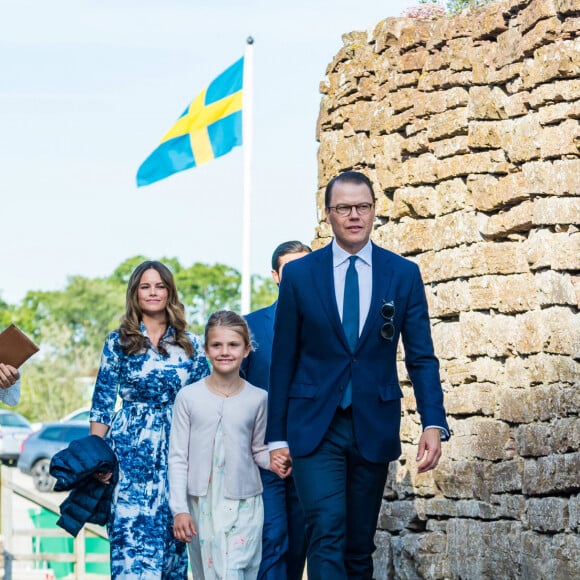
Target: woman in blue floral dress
[[145, 363]]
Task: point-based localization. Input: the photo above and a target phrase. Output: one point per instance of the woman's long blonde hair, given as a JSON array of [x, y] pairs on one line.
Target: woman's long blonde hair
[[132, 339]]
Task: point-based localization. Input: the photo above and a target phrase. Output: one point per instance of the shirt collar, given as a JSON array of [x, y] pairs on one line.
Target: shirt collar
[[169, 332], [340, 256]]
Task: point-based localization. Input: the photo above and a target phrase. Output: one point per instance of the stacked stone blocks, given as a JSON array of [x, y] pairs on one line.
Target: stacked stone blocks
[[468, 128]]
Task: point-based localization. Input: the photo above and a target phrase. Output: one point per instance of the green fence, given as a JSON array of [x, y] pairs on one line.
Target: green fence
[[45, 519]]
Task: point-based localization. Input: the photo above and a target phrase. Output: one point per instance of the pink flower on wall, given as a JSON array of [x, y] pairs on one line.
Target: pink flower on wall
[[425, 12]]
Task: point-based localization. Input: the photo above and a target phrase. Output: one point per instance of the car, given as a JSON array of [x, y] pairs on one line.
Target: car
[[39, 447], [13, 429], [81, 414]]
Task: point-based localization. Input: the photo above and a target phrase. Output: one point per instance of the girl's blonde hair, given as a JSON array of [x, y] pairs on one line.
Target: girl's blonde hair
[[228, 319]]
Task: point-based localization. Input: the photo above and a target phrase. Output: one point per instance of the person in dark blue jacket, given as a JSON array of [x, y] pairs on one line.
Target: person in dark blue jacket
[[334, 400], [284, 535]]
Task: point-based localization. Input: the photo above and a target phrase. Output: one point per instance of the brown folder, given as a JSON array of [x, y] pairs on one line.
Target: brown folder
[[15, 346]]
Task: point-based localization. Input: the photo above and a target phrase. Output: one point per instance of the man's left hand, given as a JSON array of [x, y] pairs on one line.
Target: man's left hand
[[429, 450]]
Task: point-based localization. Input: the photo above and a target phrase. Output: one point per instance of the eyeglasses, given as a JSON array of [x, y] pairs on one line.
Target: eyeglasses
[[388, 313], [345, 210]]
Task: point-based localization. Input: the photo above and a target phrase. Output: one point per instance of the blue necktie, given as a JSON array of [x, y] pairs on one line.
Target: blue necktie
[[350, 318]]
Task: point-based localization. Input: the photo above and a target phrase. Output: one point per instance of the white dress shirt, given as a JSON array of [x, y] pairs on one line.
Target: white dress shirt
[[364, 269]]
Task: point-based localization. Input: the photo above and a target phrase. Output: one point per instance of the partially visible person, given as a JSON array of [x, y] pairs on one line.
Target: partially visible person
[[145, 362], [9, 384], [284, 535], [217, 444], [334, 404]]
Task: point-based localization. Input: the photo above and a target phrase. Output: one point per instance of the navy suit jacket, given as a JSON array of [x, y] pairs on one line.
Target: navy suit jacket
[[256, 366], [312, 362]]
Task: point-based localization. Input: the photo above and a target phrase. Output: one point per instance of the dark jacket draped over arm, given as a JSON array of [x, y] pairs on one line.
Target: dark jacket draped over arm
[[74, 468]]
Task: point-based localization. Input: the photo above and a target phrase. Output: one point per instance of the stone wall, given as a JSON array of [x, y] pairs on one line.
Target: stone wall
[[468, 127]]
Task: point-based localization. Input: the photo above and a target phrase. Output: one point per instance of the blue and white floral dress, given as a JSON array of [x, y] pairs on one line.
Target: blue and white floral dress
[[141, 526]]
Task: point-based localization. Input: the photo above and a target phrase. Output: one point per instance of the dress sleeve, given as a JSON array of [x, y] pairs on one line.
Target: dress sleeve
[[200, 368], [108, 380], [11, 395]]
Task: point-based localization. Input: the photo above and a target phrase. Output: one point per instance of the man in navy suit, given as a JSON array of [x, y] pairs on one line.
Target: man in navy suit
[[284, 534], [334, 405]]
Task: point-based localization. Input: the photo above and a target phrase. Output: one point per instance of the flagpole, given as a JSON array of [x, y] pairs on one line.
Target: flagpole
[[247, 148]]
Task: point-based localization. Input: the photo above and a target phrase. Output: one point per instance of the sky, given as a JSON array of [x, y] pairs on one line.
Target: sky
[[89, 88]]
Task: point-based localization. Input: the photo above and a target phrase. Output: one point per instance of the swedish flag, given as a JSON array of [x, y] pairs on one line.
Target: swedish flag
[[209, 127]]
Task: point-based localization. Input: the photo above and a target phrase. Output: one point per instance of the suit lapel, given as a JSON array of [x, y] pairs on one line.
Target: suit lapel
[[382, 280], [323, 279]]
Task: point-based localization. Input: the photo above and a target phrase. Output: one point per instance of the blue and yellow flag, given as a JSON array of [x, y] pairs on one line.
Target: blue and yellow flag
[[211, 126]]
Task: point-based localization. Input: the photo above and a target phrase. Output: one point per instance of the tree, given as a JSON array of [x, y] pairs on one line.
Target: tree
[[6, 314], [89, 308], [123, 271], [59, 378], [456, 6], [264, 292], [205, 289], [70, 326]]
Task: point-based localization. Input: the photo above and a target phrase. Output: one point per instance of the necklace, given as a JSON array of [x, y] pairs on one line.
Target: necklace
[[232, 389]]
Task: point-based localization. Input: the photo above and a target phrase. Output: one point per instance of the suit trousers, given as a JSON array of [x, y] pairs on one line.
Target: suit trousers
[[341, 493], [284, 533]]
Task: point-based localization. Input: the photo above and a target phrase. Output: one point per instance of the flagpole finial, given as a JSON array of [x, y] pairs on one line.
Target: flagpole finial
[[250, 40]]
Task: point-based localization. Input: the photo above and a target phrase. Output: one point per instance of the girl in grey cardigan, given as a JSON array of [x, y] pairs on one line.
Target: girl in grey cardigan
[[216, 445]]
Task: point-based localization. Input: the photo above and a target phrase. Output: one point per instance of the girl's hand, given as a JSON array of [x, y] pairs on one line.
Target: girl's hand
[[281, 462], [183, 528]]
